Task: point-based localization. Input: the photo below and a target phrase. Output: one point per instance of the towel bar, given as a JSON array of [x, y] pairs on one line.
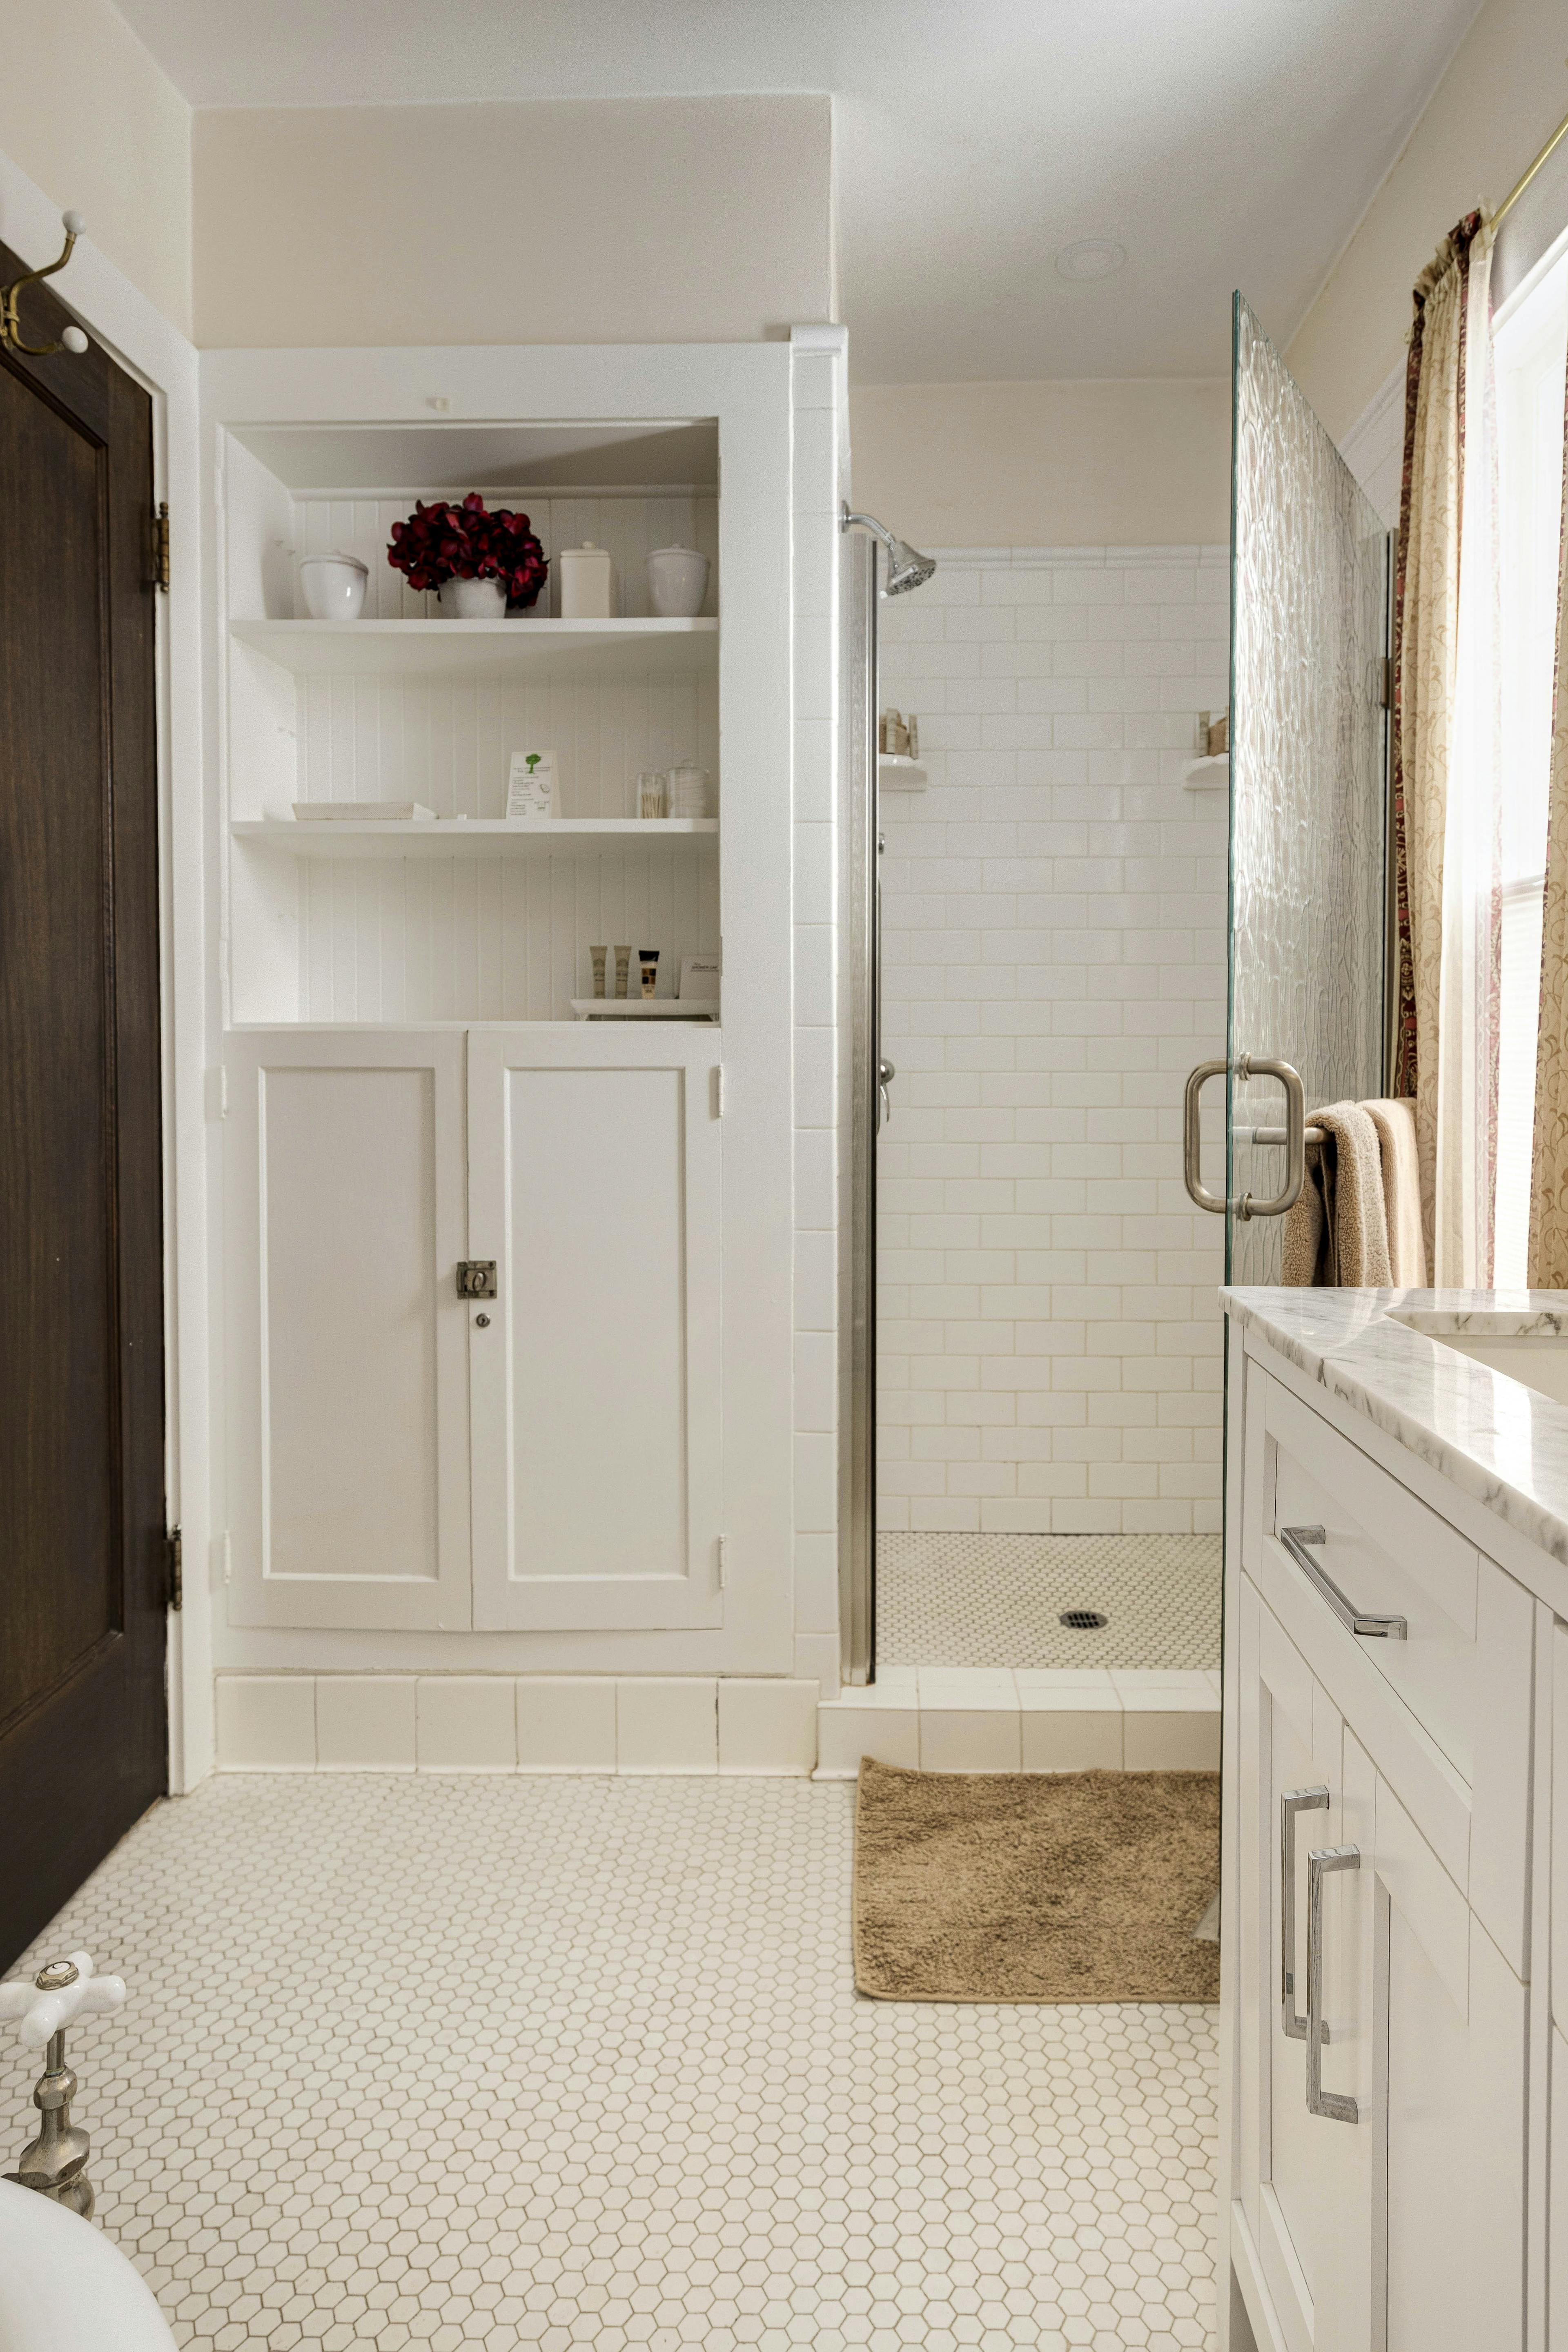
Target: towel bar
[[1278, 1135]]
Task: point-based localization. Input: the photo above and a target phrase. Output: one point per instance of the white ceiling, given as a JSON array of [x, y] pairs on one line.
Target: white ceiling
[[1224, 142]]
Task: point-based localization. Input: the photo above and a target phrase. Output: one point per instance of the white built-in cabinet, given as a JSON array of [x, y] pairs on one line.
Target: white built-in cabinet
[[594, 1464], [402, 1455], [1377, 2013], [595, 1185]]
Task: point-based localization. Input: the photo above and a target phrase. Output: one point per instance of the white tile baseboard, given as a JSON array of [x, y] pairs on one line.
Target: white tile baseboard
[[949, 1719], [516, 1723]]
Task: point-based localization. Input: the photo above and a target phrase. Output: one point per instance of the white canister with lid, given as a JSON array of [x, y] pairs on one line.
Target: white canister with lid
[[335, 586], [677, 582], [586, 587]]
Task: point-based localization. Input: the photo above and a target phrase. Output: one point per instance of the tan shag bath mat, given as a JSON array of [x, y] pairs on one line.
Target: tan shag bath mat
[[1035, 1886]]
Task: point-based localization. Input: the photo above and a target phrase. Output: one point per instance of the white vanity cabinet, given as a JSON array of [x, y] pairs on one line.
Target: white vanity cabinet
[[1377, 1883], [561, 1439]]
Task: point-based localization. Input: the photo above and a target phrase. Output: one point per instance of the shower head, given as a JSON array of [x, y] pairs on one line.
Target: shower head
[[906, 567]]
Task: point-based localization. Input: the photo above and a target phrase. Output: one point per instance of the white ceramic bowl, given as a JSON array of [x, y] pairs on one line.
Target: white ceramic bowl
[[335, 586], [677, 582]]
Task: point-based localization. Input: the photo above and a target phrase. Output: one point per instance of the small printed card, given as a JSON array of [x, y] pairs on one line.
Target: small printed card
[[533, 789], [699, 976]]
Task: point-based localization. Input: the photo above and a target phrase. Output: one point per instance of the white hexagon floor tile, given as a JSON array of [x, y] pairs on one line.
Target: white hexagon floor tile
[[459, 2062]]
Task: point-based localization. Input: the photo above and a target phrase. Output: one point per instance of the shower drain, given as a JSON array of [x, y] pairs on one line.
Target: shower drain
[[1083, 1621]]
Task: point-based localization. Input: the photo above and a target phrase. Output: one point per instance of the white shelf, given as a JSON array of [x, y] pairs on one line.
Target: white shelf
[[1210, 775], [898, 773], [645, 1008], [562, 836], [476, 648]]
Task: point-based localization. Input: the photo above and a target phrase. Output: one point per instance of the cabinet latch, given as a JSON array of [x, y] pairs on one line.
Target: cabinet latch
[[476, 1277]]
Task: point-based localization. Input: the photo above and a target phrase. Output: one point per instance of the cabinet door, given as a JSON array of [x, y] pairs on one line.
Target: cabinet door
[[1446, 2100], [594, 1184], [348, 1441], [1304, 2179]]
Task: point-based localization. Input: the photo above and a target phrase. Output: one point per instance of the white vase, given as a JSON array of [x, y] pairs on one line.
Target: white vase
[[677, 582], [473, 600], [335, 586]]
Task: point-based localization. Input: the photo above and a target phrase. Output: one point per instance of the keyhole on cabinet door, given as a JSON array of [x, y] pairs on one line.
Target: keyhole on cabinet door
[[483, 1321]]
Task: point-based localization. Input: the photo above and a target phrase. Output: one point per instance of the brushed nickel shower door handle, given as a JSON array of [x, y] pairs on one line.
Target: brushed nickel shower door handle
[[1354, 1621], [1250, 1066], [1336, 2105], [1198, 1191], [1294, 1802]]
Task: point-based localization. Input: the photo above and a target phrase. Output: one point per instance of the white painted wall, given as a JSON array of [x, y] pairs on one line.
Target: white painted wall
[[1132, 462], [624, 221], [1054, 922], [87, 113], [1502, 98]]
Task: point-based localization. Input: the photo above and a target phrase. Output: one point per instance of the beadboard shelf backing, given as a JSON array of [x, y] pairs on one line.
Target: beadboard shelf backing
[[474, 837], [519, 648]]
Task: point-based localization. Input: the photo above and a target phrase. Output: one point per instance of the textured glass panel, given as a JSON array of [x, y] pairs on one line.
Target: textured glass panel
[[1307, 794]]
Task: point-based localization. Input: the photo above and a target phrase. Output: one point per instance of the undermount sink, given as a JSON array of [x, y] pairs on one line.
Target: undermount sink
[[1538, 1359]]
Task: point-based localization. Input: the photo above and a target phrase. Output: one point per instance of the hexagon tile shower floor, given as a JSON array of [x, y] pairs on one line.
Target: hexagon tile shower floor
[[461, 2062]]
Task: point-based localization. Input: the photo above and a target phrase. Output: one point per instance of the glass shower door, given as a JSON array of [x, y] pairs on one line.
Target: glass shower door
[[1307, 797]]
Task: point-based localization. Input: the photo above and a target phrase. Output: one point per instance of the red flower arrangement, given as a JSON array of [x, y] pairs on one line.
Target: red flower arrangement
[[442, 542]]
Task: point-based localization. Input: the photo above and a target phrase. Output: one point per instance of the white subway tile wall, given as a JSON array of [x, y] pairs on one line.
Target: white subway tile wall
[[1054, 964]]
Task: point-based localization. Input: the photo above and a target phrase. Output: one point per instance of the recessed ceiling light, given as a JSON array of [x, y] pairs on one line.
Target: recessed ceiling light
[[1091, 257]]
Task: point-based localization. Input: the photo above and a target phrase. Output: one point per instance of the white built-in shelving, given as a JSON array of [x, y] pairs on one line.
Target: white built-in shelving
[[517, 649], [468, 914], [590, 837]]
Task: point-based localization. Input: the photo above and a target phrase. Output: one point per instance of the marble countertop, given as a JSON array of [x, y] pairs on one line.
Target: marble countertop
[[1495, 1439]]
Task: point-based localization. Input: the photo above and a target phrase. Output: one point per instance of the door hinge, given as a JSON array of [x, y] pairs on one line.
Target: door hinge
[[723, 1562], [161, 545], [174, 1547], [719, 1090], [1385, 681]]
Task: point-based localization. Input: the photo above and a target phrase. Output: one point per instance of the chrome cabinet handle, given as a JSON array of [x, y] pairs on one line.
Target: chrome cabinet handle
[[1294, 1802], [1354, 1620], [885, 1074], [1335, 2104], [1197, 1190], [1248, 1065]]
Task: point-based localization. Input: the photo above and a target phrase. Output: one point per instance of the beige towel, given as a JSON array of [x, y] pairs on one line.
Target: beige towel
[[1395, 1125], [1336, 1236]]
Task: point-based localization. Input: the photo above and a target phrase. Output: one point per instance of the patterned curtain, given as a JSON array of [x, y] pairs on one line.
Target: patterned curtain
[[1443, 722], [1548, 1268]]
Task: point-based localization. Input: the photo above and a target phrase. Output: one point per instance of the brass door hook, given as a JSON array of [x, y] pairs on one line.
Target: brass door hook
[[71, 339]]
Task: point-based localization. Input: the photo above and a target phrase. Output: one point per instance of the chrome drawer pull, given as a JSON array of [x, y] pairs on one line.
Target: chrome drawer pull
[[1335, 2104], [1293, 1802], [1356, 1621]]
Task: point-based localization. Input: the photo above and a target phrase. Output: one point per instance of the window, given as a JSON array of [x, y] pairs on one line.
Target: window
[[1530, 344]]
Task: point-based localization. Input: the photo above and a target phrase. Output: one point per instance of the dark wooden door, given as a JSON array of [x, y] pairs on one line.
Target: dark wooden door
[[83, 1569]]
